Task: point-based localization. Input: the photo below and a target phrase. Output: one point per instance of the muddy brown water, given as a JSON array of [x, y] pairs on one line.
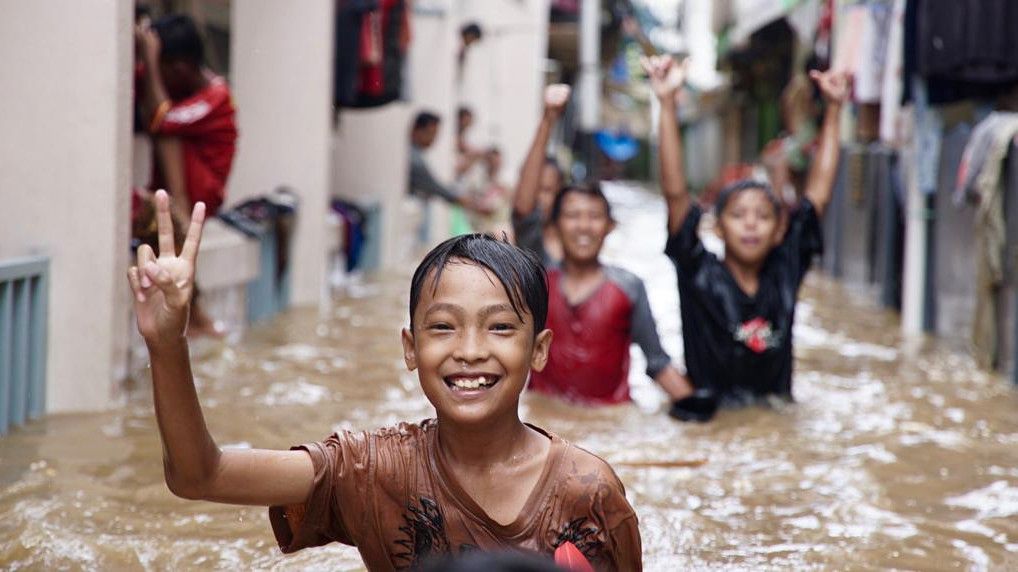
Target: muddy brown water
[[897, 455]]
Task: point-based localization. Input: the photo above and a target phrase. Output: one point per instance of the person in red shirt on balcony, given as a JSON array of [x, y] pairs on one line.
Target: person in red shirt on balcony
[[189, 113]]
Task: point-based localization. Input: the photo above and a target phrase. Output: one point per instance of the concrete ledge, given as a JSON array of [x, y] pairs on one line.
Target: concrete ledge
[[227, 257]]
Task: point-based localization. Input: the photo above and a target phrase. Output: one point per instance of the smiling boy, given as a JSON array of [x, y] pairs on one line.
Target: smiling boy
[[596, 311], [473, 478], [737, 312]]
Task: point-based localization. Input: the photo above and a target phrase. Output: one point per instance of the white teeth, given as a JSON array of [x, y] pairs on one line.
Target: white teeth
[[471, 382]]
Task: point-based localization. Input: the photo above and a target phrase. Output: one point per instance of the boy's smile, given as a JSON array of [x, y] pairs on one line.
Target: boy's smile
[[472, 350], [750, 227], [583, 225]]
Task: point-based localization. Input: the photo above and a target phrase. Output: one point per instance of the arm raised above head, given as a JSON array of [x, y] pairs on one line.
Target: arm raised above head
[[525, 198], [835, 87], [666, 79]]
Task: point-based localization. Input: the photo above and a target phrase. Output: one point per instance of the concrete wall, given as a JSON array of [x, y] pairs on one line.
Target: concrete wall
[[371, 162], [281, 54], [503, 77], [65, 154], [433, 86]]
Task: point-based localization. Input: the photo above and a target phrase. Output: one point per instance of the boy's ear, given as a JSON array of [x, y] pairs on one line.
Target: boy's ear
[[542, 344], [409, 353]]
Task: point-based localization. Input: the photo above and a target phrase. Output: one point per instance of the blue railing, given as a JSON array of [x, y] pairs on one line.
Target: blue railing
[[24, 290]]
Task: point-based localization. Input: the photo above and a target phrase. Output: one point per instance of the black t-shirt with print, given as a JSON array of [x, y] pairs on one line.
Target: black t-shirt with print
[[739, 345]]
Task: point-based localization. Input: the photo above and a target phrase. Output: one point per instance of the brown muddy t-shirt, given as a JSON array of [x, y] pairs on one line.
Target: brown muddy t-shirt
[[389, 494]]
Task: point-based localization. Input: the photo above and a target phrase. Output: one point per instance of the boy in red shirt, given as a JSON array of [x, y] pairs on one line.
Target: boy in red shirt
[[474, 478], [595, 311], [189, 113]]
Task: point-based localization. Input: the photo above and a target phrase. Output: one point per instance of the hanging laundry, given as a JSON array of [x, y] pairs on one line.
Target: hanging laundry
[[372, 38], [979, 180]]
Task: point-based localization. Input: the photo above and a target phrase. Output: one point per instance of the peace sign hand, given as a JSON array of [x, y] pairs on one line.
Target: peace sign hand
[[163, 285], [666, 75]]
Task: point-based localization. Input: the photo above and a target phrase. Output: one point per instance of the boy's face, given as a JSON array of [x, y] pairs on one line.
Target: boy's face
[[582, 225], [178, 78], [749, 227], [472, 352], [425, 136]]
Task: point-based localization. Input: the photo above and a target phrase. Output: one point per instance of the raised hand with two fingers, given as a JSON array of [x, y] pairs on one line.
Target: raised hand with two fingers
[[163, 284], [666, 75]]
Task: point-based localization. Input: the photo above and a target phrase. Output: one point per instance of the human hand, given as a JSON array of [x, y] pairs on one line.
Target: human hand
[[834, 86], [556, 97], [146, 42], [666, 76], [163, 285]]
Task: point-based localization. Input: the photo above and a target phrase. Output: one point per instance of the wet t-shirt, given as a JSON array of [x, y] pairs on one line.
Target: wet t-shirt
[[736, 344], [588, 360], [390, 494]]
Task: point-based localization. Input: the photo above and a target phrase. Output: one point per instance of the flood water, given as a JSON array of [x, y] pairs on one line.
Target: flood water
[[896, 456]]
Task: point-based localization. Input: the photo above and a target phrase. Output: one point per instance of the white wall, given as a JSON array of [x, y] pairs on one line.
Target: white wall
[[371, 163], [65, 154], [432, 77], [503, 77], [281, 59]]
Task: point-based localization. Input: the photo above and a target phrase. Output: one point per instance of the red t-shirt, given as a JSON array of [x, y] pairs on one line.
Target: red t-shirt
[[207, 129], [589, 357]]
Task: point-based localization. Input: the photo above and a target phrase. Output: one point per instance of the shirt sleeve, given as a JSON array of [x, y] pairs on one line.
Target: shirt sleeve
[[337, 505], [684, 247], [529, 232], [804, 239], [644, 332], [196, 115], [625, 548], [423, 183]]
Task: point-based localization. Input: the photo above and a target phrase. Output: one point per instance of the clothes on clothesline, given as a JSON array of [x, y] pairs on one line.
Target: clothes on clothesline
[[372, 38], [979, 181]]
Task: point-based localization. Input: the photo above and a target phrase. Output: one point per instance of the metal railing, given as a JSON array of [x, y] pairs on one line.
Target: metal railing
[[24, 291]]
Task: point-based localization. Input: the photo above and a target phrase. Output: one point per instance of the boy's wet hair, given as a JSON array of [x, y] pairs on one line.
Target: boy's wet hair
[[179, 39], [472, 29], [519, 271], [729, 191], [425, 119], [592, 190]]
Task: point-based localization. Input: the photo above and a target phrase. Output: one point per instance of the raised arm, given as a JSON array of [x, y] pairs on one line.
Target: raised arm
[[835, 89], [525, 199], [193, 465], [666, 79]]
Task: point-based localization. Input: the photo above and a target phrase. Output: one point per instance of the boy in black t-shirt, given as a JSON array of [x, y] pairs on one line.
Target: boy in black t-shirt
[[737, 313]]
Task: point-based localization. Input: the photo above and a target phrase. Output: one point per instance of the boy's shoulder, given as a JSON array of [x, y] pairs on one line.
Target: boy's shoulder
[[585, 468], [628, 282]]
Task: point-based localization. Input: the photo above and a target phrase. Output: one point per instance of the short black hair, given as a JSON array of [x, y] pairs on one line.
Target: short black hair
[[729, 191], [426, 119], [179, 39], [519, 271], [592, 190], [472, 29], [463, 110]]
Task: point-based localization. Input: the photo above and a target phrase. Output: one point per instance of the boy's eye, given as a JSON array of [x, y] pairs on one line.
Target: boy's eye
[[503, 327], [440, 326]]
